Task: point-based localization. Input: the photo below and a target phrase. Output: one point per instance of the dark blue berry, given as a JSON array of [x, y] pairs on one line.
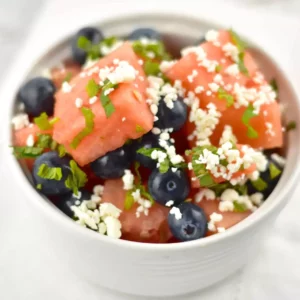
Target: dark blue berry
[[38, 96], [113, 164], [164, 187], [191, 226], [92, 34], [266, 176], [147, 141], [66, 201], [144, 32], [52, 186], [171, 117]]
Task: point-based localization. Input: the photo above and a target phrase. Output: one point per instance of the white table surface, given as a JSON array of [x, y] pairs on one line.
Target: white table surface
[[28, 267]]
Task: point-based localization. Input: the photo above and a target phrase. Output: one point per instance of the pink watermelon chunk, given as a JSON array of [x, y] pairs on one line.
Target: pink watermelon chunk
[[148, 229], [131, 111]]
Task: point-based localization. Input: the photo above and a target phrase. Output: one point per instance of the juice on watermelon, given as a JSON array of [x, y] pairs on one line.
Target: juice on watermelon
[[135, 144]]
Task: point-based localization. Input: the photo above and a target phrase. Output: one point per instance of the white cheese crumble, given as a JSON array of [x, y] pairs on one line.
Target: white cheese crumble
[[170, 203], [269, 130], [78, 102], [66, 87], [192, 76], [231, 51], [227, 135], [205, 194], [123, 119], [144, 204], [93, 100], [232, 70], [221, 229], [205, 122], [214, 218], [30, 140], [128, 180], [176, 212], [212, 36], [20, 121], [165, 65], [98, 190], [198, 51], [105, 50]]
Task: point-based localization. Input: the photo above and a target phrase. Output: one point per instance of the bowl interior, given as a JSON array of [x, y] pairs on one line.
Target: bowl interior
[[179, 32]]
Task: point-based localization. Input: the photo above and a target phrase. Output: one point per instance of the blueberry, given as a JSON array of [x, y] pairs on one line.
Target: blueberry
[[52, 186], [171, 117], [92, 34], [38, 96], [113, 164], [148, 141], [66, 201], [266, 176], [191, 226], [164, 187], [146, 33]]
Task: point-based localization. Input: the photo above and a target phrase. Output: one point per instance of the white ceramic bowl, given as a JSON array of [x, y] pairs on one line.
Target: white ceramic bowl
[[167, 269]]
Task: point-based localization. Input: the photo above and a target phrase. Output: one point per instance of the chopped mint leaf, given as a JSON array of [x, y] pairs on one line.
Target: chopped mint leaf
[[39, 186], [76, 179], [84, 43], [221, 187], [147, 151], [109, 41], [206, 180], [157, 48], [27, 152], [151, 68], [241, 46], [139, 129], [43, 121], [129, 200], [44, 141], [218, 68], [291, 126], [105, 100], [61, 150], [89, 126], [68, 77], [274, 85], [138, 174], [259, 184], [92, 88], [239, 207], [51, 173], [247, 116], [241, 64], [274, 171], [222, 94], [164, 166]]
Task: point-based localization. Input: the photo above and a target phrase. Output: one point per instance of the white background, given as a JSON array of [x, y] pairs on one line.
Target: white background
[[28, 267]]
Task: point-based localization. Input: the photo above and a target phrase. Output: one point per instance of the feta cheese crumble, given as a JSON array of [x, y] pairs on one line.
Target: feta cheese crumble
[[20, 121], [176, 212], [214, 218], [30, 140], [205, 194], [66, 87], [170, 203], [212, 36], [78, 102], [128, 180]]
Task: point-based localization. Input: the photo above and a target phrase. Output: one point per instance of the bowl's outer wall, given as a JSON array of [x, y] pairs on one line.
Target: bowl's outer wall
[[161, 271]]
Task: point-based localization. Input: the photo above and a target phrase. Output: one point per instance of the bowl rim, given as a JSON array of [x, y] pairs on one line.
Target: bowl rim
[[274, 200]]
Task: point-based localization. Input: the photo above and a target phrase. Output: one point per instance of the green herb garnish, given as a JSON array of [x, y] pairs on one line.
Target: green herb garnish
[[218, 68], [239, 207], [44, 141], [51, 173], [274, 85], [92, 50], [151, 68], [92, 88], [206, 180], [39, 186], [222, 94], [76, 179], [291, 126], [241, 46], [68, 77], [274, 171], [61, 150], [156, 47], [27, 152], [43, 121], [89, 126], [129, 200], [259, 184], [247, 116]]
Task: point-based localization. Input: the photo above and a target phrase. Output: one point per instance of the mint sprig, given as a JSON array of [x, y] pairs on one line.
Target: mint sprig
[[247, 116], [76, 179], [44, 123], [223, 94]]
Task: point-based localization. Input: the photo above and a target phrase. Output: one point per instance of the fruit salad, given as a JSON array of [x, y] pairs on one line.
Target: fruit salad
[[134, 143]]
